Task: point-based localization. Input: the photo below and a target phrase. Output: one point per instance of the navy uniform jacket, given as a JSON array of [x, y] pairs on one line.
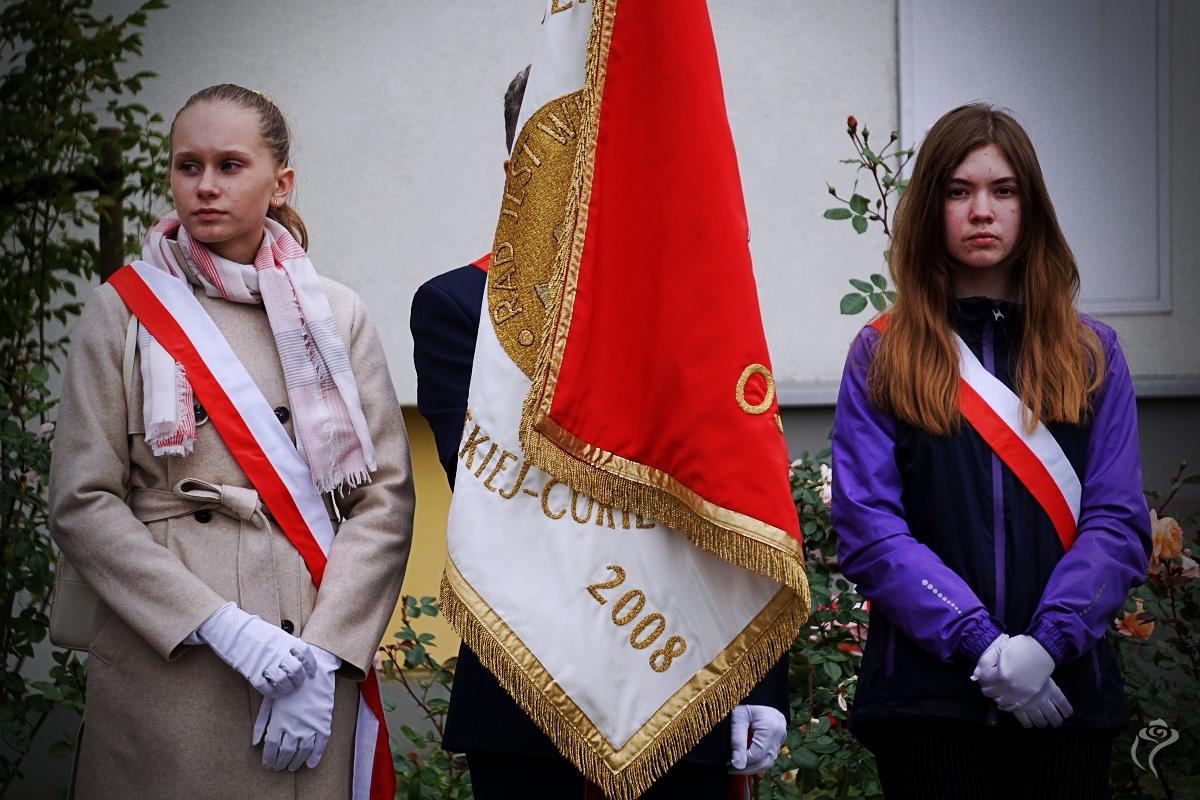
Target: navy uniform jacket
[[444, 323]]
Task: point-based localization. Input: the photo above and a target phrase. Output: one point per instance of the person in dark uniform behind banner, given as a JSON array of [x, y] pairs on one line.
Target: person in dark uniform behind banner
[[508, 755]]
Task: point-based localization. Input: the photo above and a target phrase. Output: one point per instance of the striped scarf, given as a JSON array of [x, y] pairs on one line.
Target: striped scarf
[[331, 432]]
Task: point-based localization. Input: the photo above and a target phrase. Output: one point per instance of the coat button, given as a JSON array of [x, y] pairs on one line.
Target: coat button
[[288, 626], [283, 414], [203, 515], [201, 414]]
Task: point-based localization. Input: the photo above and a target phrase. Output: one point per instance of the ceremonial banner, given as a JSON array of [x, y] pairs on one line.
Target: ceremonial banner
[[624, 551]]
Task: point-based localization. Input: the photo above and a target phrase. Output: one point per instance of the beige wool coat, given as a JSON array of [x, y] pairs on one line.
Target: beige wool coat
[[165, 541]]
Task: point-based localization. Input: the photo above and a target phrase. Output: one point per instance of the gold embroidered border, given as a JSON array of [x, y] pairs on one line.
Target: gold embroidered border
[[671, 731], [732, 536], [622, 483]]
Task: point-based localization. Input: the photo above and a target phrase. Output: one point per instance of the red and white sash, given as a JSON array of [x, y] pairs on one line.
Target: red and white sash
[[1035, 457], [261, 446]]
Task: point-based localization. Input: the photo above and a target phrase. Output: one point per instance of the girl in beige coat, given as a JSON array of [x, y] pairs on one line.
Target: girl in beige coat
[[212, 608]]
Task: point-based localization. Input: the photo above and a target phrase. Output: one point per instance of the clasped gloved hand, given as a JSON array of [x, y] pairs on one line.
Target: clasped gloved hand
[[1020, 673], [274, 661], [1047, 709], [295, 728], [765, 729]]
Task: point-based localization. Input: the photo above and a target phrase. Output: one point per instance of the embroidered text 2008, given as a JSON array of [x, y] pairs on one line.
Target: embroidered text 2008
[[648, 630]]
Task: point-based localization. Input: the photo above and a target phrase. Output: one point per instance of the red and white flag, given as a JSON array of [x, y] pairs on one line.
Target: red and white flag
[[624, 551]]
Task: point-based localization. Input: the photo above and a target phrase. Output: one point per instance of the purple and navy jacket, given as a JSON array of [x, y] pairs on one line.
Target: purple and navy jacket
[[952, 550]]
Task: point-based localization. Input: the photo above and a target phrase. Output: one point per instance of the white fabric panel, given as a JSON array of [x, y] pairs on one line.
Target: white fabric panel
[[533, 571], [1008, 407]]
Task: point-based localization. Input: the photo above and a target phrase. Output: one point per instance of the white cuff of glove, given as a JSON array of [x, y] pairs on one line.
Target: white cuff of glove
[[990, 659], [757, 732], [270, 658], [295, 728]]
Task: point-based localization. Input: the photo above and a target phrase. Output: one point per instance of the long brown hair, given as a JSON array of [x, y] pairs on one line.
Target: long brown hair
[[1060, 362], [275, 133]]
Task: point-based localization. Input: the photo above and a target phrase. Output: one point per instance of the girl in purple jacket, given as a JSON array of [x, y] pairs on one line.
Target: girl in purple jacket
[[987, 495]]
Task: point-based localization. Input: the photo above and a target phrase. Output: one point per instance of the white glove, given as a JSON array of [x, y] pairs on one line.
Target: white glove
[[274, 661], [990, 658], [295, 728], [765, 728], [1021, 672], [1047, 709]]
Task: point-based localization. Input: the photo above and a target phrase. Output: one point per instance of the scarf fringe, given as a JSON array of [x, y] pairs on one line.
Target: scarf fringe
[[678, 737], [342, 483]]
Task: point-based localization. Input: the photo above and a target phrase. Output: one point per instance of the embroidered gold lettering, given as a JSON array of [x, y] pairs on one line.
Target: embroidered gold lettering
[[602, 512], [504, 254], [483, 464], [508, 495], [537, 162], [466, 421], [525, 171], [471, 445], [575, 496], [648, 630], [561, 132], [507, 309], [594, 588], [550, 484], [501, 463], [674, 648], [506, 281]]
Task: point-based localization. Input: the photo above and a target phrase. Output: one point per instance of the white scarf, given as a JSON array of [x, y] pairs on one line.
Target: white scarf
[[331, 432]]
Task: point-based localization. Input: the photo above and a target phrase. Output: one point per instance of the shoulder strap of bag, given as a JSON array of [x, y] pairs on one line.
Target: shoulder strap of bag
[[131, 337]]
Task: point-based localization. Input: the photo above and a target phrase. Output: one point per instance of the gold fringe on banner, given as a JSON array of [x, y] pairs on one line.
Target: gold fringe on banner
[[674, 729], [620, 483]]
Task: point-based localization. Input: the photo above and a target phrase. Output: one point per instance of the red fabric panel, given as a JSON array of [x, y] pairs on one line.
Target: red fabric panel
[[666, 315]]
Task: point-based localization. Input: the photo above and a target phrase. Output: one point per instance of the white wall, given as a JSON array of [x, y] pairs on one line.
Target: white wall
[[396, 109]]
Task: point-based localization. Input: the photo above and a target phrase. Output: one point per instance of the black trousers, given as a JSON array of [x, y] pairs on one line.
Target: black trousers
[[927, 759], [500, 776]]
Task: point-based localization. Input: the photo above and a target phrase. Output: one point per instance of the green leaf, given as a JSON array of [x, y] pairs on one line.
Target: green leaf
[[837, 213], [860, 224], [879, 280], [879, 301], [61, 749], [804, 758], [853, 303], [861, 285], [832, 670], [859, 204]]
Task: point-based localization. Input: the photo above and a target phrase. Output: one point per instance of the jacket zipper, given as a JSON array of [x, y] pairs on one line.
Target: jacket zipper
[[998, 540]]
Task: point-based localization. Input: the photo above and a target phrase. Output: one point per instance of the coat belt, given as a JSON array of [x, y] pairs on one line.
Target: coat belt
[[257, 581], [191, 495]]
